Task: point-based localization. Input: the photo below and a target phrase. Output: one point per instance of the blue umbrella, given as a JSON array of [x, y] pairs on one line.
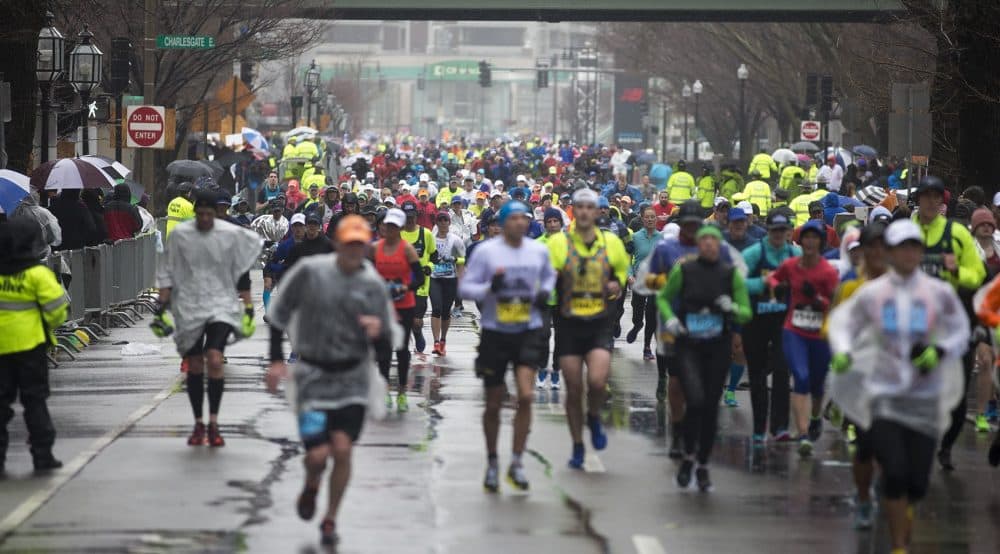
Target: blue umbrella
[[13, 188], [865, 150], [255, 140]]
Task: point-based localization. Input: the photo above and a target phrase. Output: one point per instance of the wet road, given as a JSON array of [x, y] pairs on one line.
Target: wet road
[[132, 485]]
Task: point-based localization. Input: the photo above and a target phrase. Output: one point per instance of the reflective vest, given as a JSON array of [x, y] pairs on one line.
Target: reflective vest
[[763, 163], [288, 151], [179, 209], [680, 187], [317, 179], [306, 149], [706, 191], [32, 305], [583, 280], [423, 242], [790, 175], [759, 194]]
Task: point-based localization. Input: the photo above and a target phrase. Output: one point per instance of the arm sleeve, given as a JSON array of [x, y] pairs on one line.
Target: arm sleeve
[[743, 312], [459, 252], [276, 351], [243, 284], [475, 283], [670, 291], [417, 276], [619, 258], [752, 257]]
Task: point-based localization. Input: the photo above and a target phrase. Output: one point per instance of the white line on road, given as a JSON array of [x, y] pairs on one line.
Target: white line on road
[[645, 544], [30, 505], [592, 464]]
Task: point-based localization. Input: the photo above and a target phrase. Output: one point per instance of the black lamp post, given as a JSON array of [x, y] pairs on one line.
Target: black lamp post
[[697, 89], [48, 68], [742, 74], [312, 84], [85, 76], [685, 94]]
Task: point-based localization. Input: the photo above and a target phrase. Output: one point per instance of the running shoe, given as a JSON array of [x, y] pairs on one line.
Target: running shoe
[[661, 389], [675, 449], [862, 514], [441, 348], [419, 343], [492, 480], [805, 446], [944, 458], [783, 436], [516, 477], [648, 355], [555, 379], [576, 460], [852, 433], [704, 483], [306, 505], [730, 399], [293, 357], [758, 439], [631, 336], [328, 533], [456, 312], [598, 439], [683, 478], [617, 330], [197, 437], [982, 424], [543, 374], [388, 401], [437, 348], [402, 404], [815, 429], [215, 439]]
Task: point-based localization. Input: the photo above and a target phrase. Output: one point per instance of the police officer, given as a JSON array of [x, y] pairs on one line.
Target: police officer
[[681, 184], [32, 303], [180, 208], [758, 192]]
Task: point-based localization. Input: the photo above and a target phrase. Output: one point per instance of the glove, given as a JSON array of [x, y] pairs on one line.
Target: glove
[[541, 299], [725, 303], [427, 270], [674, 327], [781, 290], [435, 257], [655, 281], [162, 326], [925, 358], [840, 363], [808, 290], [496, 283], [247, 325]]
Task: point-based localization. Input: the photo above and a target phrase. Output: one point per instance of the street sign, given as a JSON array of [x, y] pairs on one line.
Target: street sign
[[810, 130], [144, 127], [174, 42]]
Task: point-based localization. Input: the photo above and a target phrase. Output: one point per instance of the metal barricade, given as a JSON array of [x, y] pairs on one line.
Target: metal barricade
[[98, 277], [77, 285]]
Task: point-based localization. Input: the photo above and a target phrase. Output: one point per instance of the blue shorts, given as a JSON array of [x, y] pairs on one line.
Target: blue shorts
[[808, 361]]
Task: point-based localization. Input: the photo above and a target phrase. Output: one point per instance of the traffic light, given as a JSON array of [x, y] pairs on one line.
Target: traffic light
[[812, 89], [485, 76], [542, 78], [121, 65], [421, 82], [247, 73]]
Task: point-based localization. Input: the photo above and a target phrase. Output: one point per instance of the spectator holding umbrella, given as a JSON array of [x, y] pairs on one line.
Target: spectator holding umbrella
[[121, 218]]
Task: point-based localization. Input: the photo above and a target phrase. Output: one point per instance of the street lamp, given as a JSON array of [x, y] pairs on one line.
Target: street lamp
[[742, 74], [686, 93], [48, 68], [312, 84], [697, 89], [85, 76]]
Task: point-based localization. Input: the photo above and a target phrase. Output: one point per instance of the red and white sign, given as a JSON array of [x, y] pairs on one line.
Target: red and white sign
[[144, 127], [810, 130]]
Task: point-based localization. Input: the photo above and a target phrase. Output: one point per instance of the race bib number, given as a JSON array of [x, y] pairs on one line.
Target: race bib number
[[703, 326], [586, 306], [771, 307], [312, 424], [807, 319], [512, 312], [444, 269]]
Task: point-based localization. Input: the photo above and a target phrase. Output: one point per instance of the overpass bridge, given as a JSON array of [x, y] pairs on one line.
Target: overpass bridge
[[607, 10]]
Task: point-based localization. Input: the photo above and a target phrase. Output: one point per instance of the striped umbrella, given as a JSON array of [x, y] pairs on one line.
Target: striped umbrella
[[872, 195], [70, 173], [255, 140], [13, 188], [115, 169]]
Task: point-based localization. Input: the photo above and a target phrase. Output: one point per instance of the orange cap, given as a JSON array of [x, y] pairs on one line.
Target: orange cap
[[353, 228]]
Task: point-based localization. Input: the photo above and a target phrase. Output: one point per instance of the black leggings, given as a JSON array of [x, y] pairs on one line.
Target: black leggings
[[443, 293], [958, 414], [644, 308], [702, 367], [762, 346], [383, 351], [905, 456]]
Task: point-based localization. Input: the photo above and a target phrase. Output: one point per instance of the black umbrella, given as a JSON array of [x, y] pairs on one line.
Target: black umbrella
[[191, 169]]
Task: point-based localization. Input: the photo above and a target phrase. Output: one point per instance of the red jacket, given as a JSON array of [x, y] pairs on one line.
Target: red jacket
[[426, 212], [120, 216]]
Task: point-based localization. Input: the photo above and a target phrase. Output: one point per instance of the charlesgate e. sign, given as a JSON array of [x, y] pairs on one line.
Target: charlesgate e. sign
[[169, 42]]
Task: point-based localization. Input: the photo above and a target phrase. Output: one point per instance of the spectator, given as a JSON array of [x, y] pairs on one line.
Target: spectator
[[93, 199], [75, 220], [121, 218], [51, 232]]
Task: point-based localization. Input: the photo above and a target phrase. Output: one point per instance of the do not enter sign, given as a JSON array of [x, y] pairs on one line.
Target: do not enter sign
[[810, 130], [145, 126]]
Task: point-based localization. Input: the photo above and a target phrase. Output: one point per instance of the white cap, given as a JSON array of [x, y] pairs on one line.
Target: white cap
[[902, 230], [298, 218], [718, 200], [402, 182], [585, 195], [390, 200], [746, 206], [996, 199], [522, 179], [424, 177], [370, 175], [395, 217]]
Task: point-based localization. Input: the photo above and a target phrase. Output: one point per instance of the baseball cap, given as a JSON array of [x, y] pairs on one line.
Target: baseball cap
[[689, 212], [298, 218], [746, 206], [736, 214], [902, 230], [481, 194], [815, 207], [313, 219], [585, 196], [442, 215], [423, 193], [457, 199], [389, 200], [353, 228], [552, 213], [395, 217], [996, 199], [709, 231], [521, 179], [721, 201], [777, 220]]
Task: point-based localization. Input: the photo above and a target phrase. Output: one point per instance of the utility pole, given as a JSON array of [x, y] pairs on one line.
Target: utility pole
[[555, 100], [149, 94]]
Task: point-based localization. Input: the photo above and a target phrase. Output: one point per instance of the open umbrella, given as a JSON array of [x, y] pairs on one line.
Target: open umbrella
[[192, 169], [13, 188], [804, 146], [844, 158], [255, 140], [872, 195], [802, 158], [70, 173], [865, 150], [784, 156], [115, 169], [301, 131]]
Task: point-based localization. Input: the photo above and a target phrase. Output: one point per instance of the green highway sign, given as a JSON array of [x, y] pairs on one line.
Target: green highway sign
[[188, 42]]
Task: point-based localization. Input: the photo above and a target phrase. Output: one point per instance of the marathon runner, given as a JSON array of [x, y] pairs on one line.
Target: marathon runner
[[898, 343], [710, 296], [643, 307], [511, 279], [423, 242], [592, 266], [272, 227], [450, 250], [553, 220], [205, 262], [332, 376]]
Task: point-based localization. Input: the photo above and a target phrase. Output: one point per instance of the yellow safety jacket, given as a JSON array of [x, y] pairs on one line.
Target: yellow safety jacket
[[584, 272], [317, 179], [179, 209], [791, 176], [306, 149], [764, 164], [759, 194], [289, 150], [422, 240], [706, 191], [32, 305], [680, 187]]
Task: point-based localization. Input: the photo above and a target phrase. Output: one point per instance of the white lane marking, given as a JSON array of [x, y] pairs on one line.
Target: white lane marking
[[646, 544], [592, 464], [31, 504]]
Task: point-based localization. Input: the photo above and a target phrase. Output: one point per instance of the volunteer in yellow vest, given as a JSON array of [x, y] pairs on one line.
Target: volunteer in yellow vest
[[732, 183], [592, 266], [791, 176], [422, 240], [180, 208], [307, 149], [681, 184], [800, 205], [289, 150], [313, 199], [758, 192], [763, 164], [32, 304], [706, 188], [314, 176]]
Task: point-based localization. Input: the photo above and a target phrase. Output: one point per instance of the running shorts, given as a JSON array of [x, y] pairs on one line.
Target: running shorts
[[578, 337], [214, 337], [499, 350], [315, 426]]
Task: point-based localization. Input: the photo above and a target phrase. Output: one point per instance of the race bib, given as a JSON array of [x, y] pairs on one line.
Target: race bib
[[513, 312], [586, 306], [703, 326], [771, 307], [444, 269], [312, 423], [918, 319], [932, 264], [807, 319]]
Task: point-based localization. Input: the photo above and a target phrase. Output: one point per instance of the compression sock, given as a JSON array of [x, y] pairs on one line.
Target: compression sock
[[215, 395], [267, 299], [196, 393], [735, 374]]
